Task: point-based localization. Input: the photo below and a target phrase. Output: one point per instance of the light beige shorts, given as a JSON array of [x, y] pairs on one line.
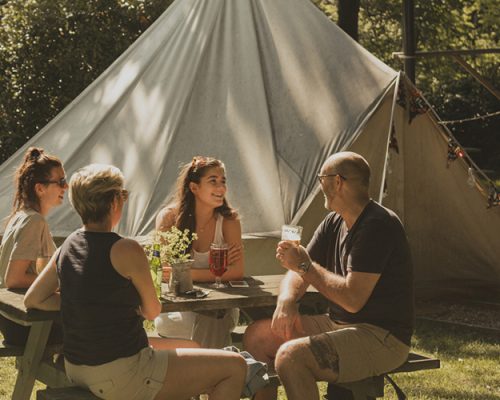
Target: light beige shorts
[[138, 377], [210, 329], [362, 350]]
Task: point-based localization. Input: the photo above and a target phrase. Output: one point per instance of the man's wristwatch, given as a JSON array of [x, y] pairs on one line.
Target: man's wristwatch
[[303, 267]]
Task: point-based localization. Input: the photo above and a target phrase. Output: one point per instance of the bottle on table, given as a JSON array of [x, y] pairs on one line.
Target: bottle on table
[[155, 268]]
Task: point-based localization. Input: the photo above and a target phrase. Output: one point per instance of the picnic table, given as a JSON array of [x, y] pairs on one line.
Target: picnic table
[[262, 291]]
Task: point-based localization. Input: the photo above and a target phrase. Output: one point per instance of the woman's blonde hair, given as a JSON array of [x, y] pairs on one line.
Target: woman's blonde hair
[[92, 190]]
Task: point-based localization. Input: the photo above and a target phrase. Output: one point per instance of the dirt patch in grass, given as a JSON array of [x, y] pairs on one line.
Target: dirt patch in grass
[[482, 314]]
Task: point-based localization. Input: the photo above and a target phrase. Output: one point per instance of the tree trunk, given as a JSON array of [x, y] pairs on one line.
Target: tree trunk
[[348, 17]]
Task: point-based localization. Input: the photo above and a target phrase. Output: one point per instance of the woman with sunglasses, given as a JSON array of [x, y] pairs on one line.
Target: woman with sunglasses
[[27, 243], [200, 205], [102, 284]]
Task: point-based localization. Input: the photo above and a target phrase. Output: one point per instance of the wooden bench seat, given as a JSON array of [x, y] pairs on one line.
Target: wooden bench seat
[[74, 393], [7, 350], [373, 387], [366, 389]]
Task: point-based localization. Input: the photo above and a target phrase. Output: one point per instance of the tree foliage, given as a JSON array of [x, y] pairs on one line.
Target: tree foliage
[[442, 25], [51, 50]]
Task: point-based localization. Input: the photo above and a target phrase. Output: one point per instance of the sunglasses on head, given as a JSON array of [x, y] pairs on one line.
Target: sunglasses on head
[[61, 182]]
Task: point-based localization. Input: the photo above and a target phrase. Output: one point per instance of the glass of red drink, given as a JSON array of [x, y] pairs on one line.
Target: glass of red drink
[[217, 261]]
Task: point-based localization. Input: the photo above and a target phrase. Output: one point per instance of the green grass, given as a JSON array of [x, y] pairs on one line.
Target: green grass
[[8, 375], [469, 364], [470, 367]]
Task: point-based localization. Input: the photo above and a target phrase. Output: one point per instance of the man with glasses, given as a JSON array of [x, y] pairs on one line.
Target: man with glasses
[[359, 260]]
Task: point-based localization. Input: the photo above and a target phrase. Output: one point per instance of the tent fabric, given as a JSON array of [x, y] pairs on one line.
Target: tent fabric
[[230, 79], [452, 233], [272, 88]]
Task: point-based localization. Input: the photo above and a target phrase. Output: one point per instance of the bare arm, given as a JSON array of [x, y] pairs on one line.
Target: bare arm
[[350, 292], [286, 318], [43, 293], [165, 219], [231, 229], [130, 261], [292, 288], [18, 276], [232, 235]]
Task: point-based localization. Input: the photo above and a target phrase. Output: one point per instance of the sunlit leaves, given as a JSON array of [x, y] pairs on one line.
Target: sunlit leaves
[[442, 25], [51, 50]]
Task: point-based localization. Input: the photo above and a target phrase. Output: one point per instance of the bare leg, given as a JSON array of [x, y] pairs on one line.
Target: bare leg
[[263, 344], [194, 371], [167, 344], [299, 371]]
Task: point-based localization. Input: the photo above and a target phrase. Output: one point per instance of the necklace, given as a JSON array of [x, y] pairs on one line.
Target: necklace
[[201, 229]]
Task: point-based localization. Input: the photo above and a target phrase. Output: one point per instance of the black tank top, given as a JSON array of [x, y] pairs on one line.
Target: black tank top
[[98, 305]]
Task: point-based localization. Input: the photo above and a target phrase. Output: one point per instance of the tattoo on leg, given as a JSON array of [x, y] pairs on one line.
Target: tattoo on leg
[[324, 352]]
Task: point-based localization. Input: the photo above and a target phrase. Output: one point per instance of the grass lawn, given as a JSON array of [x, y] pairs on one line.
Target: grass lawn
[[470, 366]]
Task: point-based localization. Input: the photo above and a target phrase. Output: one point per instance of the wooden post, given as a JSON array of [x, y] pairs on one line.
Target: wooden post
[[348, 17], [409, 42], [477, 76]]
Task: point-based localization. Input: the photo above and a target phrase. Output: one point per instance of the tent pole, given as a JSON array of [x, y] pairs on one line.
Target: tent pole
[[391, 120], [409, 43]]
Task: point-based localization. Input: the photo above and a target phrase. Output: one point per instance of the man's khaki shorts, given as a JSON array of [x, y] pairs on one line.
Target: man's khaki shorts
[[139, 377], [362, 350]]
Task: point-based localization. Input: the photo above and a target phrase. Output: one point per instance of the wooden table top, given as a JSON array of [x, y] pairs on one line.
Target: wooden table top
[[262, 291], [11, 304]]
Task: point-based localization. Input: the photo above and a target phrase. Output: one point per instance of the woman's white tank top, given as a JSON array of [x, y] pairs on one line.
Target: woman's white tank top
[[201, 259]]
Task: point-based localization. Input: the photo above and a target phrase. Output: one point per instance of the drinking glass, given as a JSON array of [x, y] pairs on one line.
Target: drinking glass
[[291, 233], [217, 261]]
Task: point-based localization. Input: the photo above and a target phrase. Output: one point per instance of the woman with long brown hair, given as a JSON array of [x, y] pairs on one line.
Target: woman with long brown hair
[[200, 205], [27, 243]]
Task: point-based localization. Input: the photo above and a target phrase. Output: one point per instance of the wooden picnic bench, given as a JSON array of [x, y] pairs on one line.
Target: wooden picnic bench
[[261, 293], [7, 350], [373, 387], [33, 365], [366, 389]]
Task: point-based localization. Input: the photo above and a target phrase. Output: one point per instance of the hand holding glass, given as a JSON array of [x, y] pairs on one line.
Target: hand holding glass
[[217, 261]]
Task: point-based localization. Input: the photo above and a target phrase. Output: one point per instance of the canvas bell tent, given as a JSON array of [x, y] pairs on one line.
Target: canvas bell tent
[[272, 88]]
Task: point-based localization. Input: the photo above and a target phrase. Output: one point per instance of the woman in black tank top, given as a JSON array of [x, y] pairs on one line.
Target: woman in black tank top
[[102, 285]]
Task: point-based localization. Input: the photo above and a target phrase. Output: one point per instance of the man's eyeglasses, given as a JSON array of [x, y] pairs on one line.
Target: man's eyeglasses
[[321, 177], [61, 182]]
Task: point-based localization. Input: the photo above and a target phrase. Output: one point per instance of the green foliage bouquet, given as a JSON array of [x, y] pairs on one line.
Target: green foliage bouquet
[[174, 244]]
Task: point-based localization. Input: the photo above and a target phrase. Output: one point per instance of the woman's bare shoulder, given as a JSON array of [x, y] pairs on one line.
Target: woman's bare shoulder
[[165, 218], [231, 225], [126, 247], [126, 255], [232, 221]]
